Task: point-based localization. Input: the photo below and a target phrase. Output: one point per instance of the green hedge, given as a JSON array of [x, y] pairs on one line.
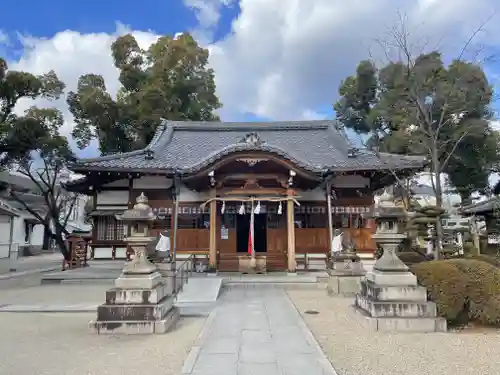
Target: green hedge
[[447, 286], [494, 261], [463, 289]]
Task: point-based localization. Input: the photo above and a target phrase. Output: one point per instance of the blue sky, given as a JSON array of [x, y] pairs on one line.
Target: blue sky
[[273, 59], [46, 18]]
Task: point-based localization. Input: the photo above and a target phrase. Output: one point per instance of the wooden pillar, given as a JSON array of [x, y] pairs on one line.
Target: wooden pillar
[[212, 255], [329, 213], [292, 266]]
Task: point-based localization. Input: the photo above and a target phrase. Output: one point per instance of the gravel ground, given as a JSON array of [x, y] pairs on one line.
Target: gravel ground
[[61, 344], [354, 350]]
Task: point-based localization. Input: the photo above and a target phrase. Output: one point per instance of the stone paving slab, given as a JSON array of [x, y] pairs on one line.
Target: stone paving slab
[[198, 290], [256, 331]]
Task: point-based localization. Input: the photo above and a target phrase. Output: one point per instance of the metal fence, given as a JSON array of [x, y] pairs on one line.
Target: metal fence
[[182, 273]]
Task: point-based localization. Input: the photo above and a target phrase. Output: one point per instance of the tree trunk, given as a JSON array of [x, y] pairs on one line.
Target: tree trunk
[[61, 244], [438, 249]]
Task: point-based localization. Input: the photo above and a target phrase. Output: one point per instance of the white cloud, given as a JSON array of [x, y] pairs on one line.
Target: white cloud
[[282, 59], [286, 57], [4, 38]]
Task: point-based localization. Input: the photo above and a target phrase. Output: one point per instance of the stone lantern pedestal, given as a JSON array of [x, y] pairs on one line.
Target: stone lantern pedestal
[[345, 274], [390, 297], [142, 301]]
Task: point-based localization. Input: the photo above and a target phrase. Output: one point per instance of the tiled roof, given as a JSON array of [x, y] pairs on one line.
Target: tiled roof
[[492, 204], [186, 147]]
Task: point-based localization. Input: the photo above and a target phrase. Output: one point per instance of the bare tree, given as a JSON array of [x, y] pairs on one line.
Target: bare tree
[[58, 203]]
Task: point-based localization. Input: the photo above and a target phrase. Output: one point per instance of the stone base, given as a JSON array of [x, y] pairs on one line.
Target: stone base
[[135, 312], [397, 324], [138, 281], [392, 278], [393, 293], [137, 327], [401, 309], [140, 296], [397, 307], [343, 284], [166, 269]]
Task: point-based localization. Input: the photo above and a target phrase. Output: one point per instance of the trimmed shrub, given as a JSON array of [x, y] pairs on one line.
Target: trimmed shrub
[[411, 257], [494, 261], [483, 290], [447, 286]]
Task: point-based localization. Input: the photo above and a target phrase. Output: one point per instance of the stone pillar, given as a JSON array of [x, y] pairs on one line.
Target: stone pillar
[[292, 264], [213, 234]]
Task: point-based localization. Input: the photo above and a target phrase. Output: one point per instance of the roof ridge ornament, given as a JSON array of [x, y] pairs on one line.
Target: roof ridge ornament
[[252, 139]]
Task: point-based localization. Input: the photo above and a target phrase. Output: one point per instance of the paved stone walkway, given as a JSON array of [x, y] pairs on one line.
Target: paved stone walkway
[[256, 331]]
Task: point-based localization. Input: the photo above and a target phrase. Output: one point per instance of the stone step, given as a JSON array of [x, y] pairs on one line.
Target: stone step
[[393, 293], [398, 324], [405, 309]]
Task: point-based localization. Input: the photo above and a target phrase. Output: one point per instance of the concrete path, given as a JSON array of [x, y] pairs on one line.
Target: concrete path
[[29, 265], [256, 331]]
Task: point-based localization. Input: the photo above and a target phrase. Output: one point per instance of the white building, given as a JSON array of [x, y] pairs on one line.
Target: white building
[[21, 233]]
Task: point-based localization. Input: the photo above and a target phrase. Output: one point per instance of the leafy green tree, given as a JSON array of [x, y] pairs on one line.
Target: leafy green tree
[[423, 106], [170, 80], [20, 134]]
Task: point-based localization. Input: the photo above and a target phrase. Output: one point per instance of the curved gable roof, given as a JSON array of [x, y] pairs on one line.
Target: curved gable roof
[[187, 147]]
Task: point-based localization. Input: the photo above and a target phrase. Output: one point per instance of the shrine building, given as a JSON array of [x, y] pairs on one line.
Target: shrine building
[[292, 183]]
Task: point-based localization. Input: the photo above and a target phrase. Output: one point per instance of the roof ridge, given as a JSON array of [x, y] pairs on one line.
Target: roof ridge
[[250, 125]]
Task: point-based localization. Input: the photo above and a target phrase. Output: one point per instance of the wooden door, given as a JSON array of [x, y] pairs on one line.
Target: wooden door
[[311, 240], [227, 258], [277, 245], [362, 238]]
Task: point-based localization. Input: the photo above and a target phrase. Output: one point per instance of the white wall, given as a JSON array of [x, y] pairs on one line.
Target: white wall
[[188, 195], [152, 182], [4, 235], [113, 197], [317, 194], [36, 238]]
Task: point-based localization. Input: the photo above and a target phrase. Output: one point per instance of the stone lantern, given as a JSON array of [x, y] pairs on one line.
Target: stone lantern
[[389, 220], [142, 301], [139, 219], [390, 297]]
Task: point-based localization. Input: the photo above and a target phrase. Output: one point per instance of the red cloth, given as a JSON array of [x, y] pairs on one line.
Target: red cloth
[[250, 241]]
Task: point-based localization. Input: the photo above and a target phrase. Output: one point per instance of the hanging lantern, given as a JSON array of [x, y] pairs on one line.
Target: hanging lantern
[[223, 208], [242, 209], [257, 209], [280, 208]]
